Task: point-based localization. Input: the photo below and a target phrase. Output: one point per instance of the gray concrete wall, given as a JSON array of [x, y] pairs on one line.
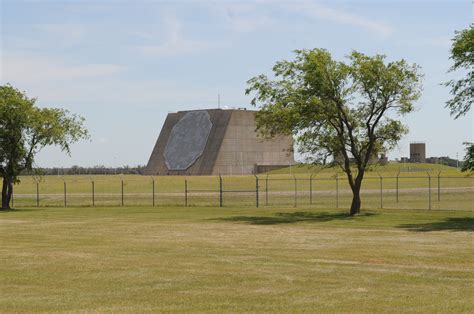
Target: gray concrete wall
[[242, 149], [233, 146], [204, 164]]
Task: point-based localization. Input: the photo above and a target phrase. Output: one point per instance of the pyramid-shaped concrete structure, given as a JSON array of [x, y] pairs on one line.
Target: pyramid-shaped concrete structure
[[216, 141]]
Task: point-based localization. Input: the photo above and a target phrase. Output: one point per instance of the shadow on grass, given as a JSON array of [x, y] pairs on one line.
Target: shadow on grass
[[450, 224], [286, 218], [21, 210], [10, 210]]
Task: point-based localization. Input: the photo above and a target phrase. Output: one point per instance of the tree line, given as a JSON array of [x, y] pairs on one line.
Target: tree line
[[78, 170]]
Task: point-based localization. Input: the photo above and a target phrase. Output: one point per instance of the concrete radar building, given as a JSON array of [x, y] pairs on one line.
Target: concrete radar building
[[216, 141], [417, 152]]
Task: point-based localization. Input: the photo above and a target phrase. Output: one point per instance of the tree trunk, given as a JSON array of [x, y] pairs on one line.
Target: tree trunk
[[9, 193], [5, 194], [356, 202]]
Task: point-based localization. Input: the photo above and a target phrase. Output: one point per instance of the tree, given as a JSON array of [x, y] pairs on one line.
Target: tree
[[462, 53], [25, 129], [338, 109], [468, 162]]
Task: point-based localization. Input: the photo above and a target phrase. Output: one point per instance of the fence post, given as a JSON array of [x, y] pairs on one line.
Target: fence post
[[429, 191], [296, 190], [311, 189], [220, 190], [121, 181], [266, 190], [153, 191], [381, 191], [185, 192], [13, 204], [65, 195], [398, 175], [93, 194], [439, 186], [256, 190], [37, 195], [337, 191]]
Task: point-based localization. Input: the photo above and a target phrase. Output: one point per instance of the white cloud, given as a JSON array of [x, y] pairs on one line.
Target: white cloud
[[173, 42], [250, 24], [249, 17], [93, 93], [320, 11], [65, 34], [56, 81], [244, 17], [47, 36], [23, 67]]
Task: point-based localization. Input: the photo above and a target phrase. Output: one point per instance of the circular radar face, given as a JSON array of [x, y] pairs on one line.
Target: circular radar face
[[187, 140]]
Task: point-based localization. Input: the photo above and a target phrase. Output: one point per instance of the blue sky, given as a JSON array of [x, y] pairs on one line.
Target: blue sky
[[124, 65]]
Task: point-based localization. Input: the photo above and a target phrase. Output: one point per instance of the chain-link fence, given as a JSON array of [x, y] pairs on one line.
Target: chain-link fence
[[396, 191]]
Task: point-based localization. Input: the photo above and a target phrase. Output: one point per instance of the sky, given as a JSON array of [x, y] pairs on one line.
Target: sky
[[124, 65]]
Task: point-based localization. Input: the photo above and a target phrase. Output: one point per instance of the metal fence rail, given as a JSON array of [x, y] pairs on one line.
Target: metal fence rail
[[426, 192]]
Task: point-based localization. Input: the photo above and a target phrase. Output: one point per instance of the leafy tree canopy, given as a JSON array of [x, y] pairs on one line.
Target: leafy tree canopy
[[462, 53], [25, 129], [468, 162], [346, 110]]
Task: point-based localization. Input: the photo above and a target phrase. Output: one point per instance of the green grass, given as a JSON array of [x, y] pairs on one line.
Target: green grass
[[391, 168], [456, 190], [143, 259]]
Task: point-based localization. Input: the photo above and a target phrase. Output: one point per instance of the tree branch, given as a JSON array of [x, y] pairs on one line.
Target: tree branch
[[29, 156]]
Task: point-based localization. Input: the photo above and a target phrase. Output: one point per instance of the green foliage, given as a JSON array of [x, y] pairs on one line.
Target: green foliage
[[468, 162], [335, 108], [462, 53], [25, 129], [15, 109]]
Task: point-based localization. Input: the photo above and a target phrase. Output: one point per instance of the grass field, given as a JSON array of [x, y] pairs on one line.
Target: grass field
[[143, 259], [388, 169], [306, 184]]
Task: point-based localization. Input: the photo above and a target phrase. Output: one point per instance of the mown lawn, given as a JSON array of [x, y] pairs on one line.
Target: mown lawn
[[143, 259]]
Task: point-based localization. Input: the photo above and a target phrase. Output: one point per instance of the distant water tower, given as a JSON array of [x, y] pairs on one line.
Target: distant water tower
[[417, 152]]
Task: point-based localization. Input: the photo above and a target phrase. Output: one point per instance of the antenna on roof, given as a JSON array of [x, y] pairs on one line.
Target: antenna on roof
[[218, 101]]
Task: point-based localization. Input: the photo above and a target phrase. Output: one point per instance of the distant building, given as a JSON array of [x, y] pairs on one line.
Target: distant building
[[432, 160], [417, 152], [216, 141], [383, 160], [374, 159], [443, 160]]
